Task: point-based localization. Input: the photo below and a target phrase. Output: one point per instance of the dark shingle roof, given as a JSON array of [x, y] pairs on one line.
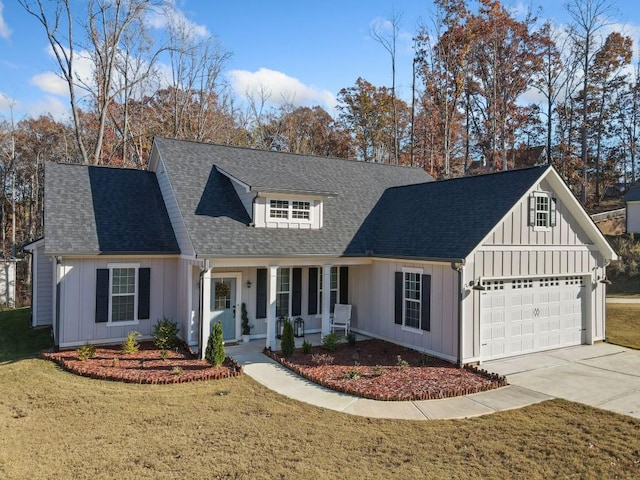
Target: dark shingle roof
[[100, 210], [444, 219], [218, 224]]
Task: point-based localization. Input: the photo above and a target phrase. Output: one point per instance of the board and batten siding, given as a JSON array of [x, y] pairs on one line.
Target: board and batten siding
[[376, 312], [78, 299], [44, 270], [515, 250], [175, 216]]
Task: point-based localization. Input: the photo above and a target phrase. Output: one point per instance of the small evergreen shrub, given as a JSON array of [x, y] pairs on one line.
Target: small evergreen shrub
[[330, 342], [401, 362], [352, 373], [306, 347], [214, 354], [351, 339], [288, 343], [165, 334], [246, 327], [131, 344], [85, 352]]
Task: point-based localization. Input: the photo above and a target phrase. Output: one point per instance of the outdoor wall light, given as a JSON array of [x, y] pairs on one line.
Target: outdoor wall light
[[248, 283]]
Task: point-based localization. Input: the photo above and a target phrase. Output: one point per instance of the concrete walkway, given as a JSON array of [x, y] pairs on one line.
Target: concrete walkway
[[281, 380]]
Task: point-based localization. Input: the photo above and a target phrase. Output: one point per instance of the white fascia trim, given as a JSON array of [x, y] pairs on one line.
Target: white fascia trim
[[33, 245], [264, 262]]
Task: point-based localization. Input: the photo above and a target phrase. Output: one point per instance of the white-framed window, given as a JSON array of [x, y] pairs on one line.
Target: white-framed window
[[334, 288], [283, 292], [123, 293], [542, 211], [412, 298], [296, 211], [278, 209]]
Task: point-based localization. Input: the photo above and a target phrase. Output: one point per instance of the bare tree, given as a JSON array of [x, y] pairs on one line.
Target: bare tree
[[589, 17], [389, 41]]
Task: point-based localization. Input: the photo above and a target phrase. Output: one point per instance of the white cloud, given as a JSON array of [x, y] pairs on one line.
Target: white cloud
[[5, 31], [49, 105], [169, 14], [51, 83], [279, 88]]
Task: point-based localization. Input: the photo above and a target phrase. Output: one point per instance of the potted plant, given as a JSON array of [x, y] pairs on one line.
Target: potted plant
[[246, 327]]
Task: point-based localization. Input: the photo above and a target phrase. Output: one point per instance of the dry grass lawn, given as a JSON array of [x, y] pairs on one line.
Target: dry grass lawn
[[623, 324], [57, 425]]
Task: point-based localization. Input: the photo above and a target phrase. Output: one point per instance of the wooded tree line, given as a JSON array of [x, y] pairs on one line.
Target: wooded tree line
[[475, 65]]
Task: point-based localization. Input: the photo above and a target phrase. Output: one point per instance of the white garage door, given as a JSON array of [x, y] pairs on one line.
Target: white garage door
[[529, 315]]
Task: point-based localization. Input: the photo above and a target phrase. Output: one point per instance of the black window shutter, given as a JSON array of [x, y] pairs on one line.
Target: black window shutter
[[102, 295], [261, 293], [313, 291], [144, 293], [426, 303], [296, 292], [344, 285], [399, 296], [532, 210]]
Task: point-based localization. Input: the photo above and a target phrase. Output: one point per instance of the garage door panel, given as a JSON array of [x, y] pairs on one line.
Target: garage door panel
[[533, 314]]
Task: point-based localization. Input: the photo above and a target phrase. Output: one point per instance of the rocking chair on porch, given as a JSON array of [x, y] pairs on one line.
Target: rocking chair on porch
[[341, 317]]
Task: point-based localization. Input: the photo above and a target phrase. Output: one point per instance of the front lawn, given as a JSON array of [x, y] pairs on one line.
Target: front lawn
[[17, 340], [623, 324], [57, 425]]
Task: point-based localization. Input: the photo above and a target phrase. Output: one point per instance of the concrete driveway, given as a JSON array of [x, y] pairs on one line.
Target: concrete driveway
[[602, 375]]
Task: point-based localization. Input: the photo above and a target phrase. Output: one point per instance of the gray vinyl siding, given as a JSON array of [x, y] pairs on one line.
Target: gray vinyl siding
[[633, 217], [78, 299], [175, 216], [562, 250], [375, 305], [44, 280]]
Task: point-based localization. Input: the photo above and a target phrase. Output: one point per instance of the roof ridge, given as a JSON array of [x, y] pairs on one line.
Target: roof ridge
[[290, 154]]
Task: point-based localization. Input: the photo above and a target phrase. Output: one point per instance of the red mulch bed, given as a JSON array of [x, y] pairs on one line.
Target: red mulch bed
[[144, 366], [371, 369]]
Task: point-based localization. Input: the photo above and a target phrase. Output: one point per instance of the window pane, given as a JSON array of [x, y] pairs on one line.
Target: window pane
[[300, 210], [412, 314], [334, 278], [282, 304], [279, 209], [282, 280], [122, 308], [124, 280]]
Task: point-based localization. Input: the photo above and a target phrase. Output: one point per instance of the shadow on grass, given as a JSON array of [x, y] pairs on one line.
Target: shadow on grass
[[18, 340]]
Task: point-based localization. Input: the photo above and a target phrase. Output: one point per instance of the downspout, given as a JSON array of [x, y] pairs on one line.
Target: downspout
[[459, 267], [204, 270], [56, 325]]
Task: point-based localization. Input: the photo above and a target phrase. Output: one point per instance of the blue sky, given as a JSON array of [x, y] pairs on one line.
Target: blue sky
[[301, 49]]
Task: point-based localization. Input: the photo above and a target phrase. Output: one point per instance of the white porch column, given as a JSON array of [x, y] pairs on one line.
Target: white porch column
[[206, 311], [271, 307], [326, 299]]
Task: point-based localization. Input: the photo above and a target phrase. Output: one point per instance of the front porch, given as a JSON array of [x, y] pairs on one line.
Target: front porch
[[304, 290]]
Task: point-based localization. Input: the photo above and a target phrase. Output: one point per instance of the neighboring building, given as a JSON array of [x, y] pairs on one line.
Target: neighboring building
[[632, 204], [468, 269]]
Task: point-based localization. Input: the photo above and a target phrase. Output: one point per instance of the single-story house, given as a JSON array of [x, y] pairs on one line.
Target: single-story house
[[468, 269], [632, 204]]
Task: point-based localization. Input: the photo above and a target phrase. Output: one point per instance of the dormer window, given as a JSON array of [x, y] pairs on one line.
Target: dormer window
[[295, 210]]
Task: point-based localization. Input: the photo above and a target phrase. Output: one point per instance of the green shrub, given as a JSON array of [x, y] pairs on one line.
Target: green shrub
[[330, 341], [131, 344], [351, 339], [401, 362], [288, 343], [306, 347], [214, 354], [246, 327], [352, 373], [165, 334], [85, 352]]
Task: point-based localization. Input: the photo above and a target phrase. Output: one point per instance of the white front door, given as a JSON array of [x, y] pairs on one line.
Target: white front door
[[527, 315]]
